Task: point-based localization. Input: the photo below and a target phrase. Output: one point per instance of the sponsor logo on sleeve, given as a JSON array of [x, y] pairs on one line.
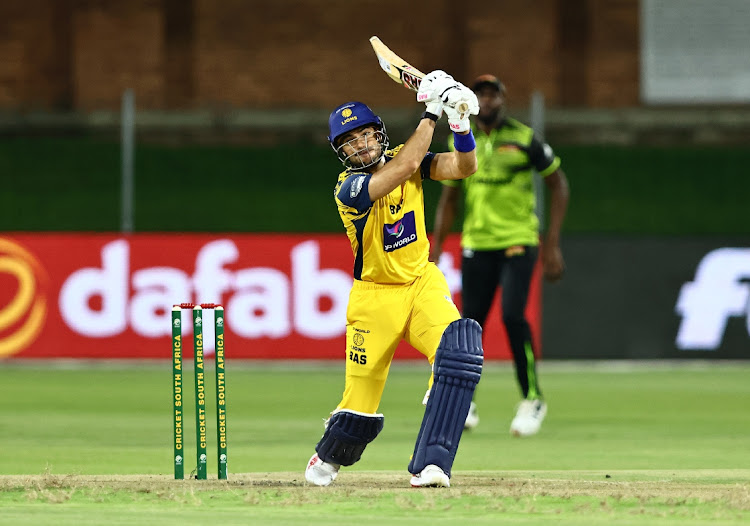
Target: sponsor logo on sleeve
[[356, 187]]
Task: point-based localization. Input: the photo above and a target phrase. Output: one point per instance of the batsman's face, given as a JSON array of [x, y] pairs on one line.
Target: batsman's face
[[361, 146]]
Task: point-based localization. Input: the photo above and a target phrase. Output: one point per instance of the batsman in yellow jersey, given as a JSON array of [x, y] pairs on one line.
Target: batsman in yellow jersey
[[398, 294]]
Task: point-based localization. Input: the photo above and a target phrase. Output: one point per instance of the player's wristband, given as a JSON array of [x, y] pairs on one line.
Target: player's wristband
[[464, 143], [428, 115]]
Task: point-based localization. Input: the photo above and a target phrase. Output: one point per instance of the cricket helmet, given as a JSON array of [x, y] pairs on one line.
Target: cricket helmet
[[350, 116]]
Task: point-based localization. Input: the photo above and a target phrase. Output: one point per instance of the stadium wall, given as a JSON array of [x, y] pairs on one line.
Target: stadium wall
[[179, 54]]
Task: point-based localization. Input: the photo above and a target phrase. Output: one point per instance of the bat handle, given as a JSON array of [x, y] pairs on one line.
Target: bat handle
[[462, 107]]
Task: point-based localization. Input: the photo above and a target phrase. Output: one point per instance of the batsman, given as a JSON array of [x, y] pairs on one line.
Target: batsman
[[398, 294]]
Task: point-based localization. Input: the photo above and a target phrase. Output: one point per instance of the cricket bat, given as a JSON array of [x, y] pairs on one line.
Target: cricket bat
[[400, 70]]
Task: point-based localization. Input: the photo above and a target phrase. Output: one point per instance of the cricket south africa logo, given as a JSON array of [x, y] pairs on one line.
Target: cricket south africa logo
[[399, 234], [23, 304]]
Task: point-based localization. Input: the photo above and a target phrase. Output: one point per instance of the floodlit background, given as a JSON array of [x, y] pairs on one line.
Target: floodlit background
[[197, 116], [162, 151]]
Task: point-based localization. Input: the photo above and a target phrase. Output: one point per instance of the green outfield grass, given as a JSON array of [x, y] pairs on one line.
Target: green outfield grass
[[645, 444]]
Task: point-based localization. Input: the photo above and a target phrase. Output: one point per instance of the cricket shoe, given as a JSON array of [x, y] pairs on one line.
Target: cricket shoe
[[472, 418], [431, 477], [319, 472], [529, 418]]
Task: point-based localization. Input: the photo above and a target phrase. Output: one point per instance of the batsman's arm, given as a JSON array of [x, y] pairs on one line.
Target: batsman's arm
[[403, 165], [456, 164]]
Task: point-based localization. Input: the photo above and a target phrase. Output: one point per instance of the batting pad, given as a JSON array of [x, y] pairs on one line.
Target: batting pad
[[347, 435], [456, 371]]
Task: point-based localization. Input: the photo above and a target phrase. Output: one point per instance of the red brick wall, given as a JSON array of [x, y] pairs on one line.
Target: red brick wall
[[516, 40], [34, 54], [613, 65], [81, 54], [118, 45]]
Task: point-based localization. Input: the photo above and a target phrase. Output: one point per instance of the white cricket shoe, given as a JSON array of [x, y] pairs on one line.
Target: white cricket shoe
[[529, 418], [319, 472], [431, 477], [472, 419]]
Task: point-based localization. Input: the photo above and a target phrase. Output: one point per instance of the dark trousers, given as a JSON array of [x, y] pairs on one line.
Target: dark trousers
[[482, 273]]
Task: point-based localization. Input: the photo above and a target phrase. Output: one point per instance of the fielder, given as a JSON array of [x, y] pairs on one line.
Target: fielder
[[397, 293], [500, 235]]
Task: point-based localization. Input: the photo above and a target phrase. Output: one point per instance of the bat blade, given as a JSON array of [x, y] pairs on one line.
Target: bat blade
[[400, 70], [395, 67]]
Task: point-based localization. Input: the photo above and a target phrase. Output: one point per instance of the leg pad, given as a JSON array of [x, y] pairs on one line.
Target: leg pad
[[346, 436], [456, 370]]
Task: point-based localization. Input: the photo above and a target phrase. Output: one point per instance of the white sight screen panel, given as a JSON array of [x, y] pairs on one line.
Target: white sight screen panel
[[695, 51]]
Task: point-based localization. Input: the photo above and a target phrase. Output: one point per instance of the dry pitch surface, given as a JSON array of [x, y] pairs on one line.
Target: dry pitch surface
[[567, 498], [730, 487]]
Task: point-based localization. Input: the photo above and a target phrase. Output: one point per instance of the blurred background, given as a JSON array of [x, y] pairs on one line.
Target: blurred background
[[126, 124]]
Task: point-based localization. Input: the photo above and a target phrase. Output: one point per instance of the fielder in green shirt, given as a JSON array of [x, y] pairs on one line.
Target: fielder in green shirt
[[500, 234]]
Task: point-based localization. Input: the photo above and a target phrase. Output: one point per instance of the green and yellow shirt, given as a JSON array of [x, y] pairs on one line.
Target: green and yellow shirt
[[499, 198]]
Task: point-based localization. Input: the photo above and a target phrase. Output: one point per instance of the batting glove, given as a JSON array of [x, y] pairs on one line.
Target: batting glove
[[456, 97], [459, 121], [433, 90]]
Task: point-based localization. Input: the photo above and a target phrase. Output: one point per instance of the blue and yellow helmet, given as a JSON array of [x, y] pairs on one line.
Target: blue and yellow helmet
[[350, 116]]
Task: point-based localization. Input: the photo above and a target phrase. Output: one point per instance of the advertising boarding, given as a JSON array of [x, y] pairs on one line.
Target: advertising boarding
[[104, 296]]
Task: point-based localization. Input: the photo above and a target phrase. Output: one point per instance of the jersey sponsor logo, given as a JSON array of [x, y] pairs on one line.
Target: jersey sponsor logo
[[356, 187], [390, 247], [493, 180], [395, 230], [399, 234], [719, 291], [513, 251]]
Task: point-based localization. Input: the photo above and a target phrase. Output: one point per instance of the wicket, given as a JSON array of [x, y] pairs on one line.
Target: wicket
[[200, 390]]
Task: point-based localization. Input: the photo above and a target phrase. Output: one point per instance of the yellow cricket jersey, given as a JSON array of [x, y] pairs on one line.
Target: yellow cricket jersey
[[388, 237]]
